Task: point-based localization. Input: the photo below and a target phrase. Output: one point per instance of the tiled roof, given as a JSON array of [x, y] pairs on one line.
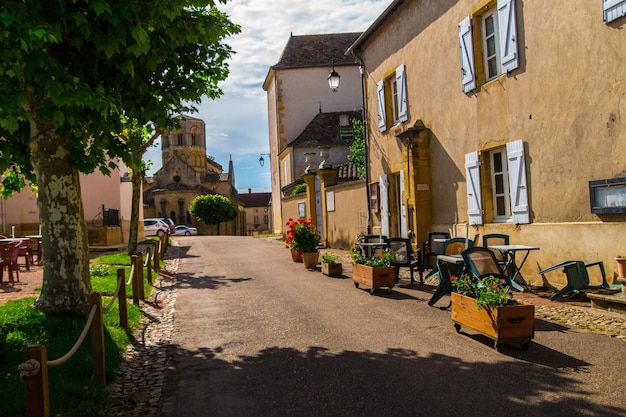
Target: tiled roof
[[317, 50], [323, 130], [255, 199]]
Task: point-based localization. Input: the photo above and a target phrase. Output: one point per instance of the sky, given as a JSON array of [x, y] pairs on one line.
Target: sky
[[236, 123]]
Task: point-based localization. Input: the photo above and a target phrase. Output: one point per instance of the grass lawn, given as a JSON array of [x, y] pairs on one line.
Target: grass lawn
[[72, 391]]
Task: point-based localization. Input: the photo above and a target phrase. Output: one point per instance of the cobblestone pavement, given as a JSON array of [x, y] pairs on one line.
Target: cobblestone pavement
[[137, 390]]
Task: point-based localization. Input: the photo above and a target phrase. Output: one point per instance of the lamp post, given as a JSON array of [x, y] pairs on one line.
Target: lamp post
[[333, 79], [262, 160]]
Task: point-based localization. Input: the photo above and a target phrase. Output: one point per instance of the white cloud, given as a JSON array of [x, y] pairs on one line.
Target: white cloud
[[236, 123]]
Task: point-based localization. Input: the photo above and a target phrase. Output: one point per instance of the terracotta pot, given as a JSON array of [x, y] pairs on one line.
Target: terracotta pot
[[295, 256], [310, 259], [621, 267]]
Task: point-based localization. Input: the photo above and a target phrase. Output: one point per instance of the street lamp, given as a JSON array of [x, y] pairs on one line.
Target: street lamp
[[333, 80], [261, 160]]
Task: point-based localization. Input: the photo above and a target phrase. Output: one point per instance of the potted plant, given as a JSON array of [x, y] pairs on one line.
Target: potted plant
[[375, 271], [303, 239], [487, 306], [621, 266], [330, 266]]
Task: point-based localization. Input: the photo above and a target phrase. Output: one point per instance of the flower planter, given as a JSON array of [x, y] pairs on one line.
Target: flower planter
[[295, 256], [510, 322], [310, 259], [332, 270], [374, 277]]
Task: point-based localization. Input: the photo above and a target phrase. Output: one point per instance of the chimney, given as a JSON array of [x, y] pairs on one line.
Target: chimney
[[249, 190]]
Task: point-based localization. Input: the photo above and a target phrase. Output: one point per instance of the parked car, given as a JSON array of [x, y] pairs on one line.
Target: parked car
[[185, 230], [169, 222], [155, 227]]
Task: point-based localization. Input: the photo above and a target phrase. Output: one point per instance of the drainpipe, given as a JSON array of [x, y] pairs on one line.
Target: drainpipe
[[365, 141]]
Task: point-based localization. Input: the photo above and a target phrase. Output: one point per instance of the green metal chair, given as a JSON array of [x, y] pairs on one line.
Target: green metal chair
[[578, 279], [444, 270], [496, 239], [482, 262]]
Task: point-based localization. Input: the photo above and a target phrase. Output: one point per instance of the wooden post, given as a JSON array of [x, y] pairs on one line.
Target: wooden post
[[121, 299], [37, 394], [149, 264], [156, 257], [135, 281], [139, 269], [97, 339]]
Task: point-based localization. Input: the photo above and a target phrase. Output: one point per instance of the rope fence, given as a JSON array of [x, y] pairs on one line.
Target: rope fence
[[34, 369]]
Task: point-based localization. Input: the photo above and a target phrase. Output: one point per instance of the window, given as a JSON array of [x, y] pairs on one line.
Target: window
[[180, 139], [396, 109], [193, 139], [613, 9], [507, 185], [498, 41], [500, 185], [266, 219], [256, 219]]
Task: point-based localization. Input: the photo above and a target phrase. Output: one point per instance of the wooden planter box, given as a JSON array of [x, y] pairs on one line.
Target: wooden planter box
[[374, 277], [332, 270], [511, 322]]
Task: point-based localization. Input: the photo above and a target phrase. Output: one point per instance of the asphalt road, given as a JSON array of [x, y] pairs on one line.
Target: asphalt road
[[259, 335]]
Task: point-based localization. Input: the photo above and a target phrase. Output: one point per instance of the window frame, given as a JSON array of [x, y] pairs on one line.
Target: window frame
[[485, 37], [391, 93], [503, 173]]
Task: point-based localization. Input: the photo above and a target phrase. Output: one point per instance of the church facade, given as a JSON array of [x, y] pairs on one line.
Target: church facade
[[187, 173]]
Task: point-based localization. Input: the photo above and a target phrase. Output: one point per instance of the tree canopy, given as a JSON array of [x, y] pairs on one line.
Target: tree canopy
[[71, 72], [213, 209]]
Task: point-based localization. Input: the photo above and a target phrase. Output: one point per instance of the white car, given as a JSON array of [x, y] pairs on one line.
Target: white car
[[155, 227], [183, 230]]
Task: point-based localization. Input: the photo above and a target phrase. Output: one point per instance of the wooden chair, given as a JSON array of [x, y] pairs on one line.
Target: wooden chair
[[405, 257], [9, 254]]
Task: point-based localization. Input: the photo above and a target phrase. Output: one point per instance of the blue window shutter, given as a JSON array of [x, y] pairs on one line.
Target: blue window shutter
[[613, 9], [403, 110], [509, 59], [382, 118], [403, 209], [517, 182], [474, 201], [468, 71]]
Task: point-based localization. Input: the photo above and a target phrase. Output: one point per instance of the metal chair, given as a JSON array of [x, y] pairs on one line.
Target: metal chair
[[493, 239], [379, 240], [482, 262], [578, 279], [433, 247], [405, 257]]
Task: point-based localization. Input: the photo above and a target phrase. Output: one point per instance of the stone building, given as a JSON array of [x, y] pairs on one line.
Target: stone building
[[187, 173]]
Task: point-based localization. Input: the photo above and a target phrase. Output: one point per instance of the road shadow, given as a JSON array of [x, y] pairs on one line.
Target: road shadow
[[317, 382]]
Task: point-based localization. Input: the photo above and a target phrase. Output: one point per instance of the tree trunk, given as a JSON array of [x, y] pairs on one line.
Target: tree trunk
[[66, 280], [136, 180]]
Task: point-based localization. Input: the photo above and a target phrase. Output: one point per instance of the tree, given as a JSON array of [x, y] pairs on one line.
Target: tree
[[213, 209], [70, 72], [358, 147]]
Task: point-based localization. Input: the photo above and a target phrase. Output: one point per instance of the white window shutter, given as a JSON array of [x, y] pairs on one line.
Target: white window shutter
[[382, 119], [517, 182], [613, 9], [403, 209], [468, 71], [474, 198], [509, 59], [384, 204], [403, 110]]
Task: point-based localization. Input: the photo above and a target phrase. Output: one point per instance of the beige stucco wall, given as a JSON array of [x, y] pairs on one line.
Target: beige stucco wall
[[565, 101], [350, 215]]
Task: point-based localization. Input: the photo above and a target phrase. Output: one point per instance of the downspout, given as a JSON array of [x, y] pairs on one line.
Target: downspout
[[365, 140]]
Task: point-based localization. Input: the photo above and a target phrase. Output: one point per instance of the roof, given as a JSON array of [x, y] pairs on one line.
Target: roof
[[317, 50], [255, 199], [323, 130]]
